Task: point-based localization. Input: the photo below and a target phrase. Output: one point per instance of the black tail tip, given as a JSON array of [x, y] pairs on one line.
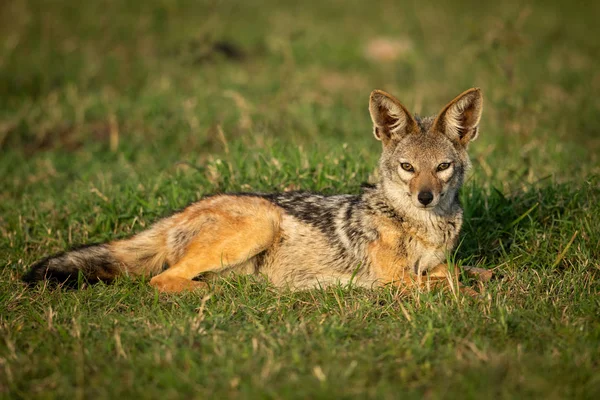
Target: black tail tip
[[43, 271], [36, 272]]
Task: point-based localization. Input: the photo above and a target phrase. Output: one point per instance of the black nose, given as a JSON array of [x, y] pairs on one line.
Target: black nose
[[425, 197]]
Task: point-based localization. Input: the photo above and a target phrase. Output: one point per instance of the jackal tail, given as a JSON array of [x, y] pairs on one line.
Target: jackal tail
[[142, 254]]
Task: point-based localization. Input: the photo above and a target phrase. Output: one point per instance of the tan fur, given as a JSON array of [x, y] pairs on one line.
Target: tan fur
[[384, 255], [150, 245], [390, 117], [231, 231], [300, 259], [396, 232], [461, 116]]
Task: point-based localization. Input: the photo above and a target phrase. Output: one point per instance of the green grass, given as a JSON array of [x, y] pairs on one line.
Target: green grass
[[113, 114]]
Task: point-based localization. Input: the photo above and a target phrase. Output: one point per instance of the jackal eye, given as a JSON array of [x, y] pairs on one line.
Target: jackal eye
[[407, 167], [443, 166]]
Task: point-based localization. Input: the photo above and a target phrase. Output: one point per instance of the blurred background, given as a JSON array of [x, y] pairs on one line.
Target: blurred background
[[115, 91]]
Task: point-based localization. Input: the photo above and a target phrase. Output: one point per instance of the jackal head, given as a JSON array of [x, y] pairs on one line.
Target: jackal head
[[424, 160]]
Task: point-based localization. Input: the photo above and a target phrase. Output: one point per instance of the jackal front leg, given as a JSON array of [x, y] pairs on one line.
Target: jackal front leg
[[439, 276], [441, 273]]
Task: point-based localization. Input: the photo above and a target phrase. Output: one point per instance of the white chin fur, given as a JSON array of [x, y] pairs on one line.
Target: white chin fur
[[429, 207], [402, 202]]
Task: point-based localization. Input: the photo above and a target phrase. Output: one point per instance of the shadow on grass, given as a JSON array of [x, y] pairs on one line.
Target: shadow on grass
[[544, 225]]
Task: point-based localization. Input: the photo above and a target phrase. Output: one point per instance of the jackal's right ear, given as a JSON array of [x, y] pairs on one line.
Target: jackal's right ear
[[390, 118]]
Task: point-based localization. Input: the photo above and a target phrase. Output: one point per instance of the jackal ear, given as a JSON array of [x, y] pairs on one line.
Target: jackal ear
[[459, 120], [390, 118]]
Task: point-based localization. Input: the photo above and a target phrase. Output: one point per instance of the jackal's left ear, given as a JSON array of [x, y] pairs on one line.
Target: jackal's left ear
[[459, 120], [390, 118]]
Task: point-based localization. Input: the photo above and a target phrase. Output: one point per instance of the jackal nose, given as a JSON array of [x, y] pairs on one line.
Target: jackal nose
[[425, 197]]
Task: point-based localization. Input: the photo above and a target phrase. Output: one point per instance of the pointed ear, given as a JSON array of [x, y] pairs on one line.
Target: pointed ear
[[390, 118], [459, 120]]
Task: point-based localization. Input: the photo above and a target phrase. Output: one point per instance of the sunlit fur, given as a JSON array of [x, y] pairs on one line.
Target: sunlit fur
[[425, 151], [383, 235]]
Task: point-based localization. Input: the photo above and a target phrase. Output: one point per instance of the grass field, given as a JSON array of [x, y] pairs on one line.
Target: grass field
[[114, 113]]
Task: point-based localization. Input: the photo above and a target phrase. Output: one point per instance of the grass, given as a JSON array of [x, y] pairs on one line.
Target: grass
[[113, 114]]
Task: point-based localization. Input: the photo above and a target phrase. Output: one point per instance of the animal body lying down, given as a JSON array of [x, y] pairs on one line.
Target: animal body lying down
[[393, 232]]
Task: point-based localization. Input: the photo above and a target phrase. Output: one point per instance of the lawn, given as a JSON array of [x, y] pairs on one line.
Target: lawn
[[115, 113]]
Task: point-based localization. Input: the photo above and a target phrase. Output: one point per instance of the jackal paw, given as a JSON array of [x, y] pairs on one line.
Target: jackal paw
[[173, 284], [479, 274]]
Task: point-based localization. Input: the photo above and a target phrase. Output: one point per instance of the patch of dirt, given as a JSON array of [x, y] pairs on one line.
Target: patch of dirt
[[384, 49]]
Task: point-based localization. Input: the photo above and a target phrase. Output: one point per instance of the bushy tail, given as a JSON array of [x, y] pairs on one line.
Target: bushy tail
[[142, 254]]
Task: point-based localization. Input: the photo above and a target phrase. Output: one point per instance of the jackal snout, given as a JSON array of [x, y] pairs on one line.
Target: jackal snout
[[425, 197], [426, 185]]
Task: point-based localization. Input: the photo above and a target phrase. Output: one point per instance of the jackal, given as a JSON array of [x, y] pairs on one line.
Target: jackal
[[393, 232]]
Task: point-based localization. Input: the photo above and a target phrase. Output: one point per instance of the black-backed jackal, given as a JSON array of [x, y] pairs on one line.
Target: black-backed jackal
[[393, 232]]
